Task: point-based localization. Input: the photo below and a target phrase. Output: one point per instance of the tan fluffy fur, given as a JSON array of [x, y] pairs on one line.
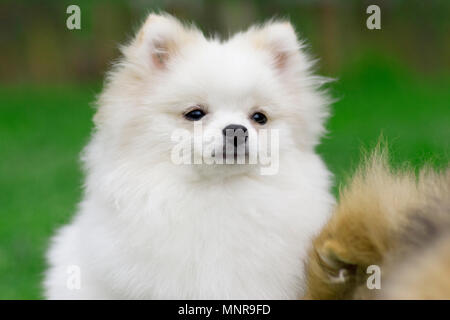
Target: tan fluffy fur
[[384, 218]]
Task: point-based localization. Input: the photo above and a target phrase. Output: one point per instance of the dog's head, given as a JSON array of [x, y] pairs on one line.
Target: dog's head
[[175, 91]]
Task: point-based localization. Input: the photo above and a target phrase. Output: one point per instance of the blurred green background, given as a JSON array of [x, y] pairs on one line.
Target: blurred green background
[[394, 81]]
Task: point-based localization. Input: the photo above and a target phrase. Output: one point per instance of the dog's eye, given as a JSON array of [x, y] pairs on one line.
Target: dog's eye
[[195, 115], [259, 117]]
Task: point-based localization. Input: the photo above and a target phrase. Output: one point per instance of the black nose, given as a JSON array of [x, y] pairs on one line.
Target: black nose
[[236, 133]]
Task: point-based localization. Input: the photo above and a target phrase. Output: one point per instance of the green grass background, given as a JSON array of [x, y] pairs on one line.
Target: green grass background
[[44, 128]]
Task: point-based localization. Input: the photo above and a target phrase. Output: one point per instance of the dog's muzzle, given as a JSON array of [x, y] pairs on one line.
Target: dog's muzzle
[[235, 140]]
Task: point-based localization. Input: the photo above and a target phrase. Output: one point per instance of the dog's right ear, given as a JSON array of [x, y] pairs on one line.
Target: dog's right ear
[[334, 261], [162, 37]]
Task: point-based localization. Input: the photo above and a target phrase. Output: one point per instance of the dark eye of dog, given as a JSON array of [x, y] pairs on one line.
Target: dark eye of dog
[[259, 118], [195, 115]]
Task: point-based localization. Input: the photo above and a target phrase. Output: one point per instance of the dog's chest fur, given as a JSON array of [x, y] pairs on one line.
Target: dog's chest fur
[[233, 240]]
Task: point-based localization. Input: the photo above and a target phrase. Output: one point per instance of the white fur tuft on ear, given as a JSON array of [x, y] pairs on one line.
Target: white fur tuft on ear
[[279, 38], [162, 37]]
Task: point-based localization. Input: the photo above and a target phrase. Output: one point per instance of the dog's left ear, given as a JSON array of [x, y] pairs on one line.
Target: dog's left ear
[[161, 38], [280, 39]]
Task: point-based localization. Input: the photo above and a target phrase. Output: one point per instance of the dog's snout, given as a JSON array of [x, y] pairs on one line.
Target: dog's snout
[[232, 128], [236, 133]]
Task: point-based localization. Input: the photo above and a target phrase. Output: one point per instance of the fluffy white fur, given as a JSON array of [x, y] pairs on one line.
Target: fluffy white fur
[[147, 228]]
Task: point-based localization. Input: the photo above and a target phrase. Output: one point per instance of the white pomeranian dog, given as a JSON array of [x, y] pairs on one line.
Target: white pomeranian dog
[[150, 227]]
